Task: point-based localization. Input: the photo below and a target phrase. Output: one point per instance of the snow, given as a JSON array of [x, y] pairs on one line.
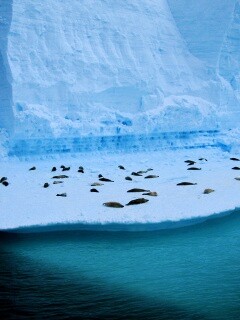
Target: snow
[[26, 203]]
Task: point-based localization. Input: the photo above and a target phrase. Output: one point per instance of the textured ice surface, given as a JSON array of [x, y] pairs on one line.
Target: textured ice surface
[[115, 68], [6, 102], [229, 62], [204, 25]]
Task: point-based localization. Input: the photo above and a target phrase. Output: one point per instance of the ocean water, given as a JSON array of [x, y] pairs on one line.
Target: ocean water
[[186, 273]]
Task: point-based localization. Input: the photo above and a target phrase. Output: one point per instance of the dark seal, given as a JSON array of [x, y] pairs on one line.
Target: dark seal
[[137, 201]]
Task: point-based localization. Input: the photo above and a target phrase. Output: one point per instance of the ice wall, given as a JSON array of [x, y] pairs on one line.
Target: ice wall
[[211, 31], [203, 24], [6, 103], [229, 58], [115, 67]]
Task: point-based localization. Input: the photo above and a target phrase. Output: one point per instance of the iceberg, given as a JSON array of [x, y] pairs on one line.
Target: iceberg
[[116, 68], [145, 84]]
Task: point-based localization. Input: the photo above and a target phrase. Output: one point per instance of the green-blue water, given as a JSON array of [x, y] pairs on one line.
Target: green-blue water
[[187, 273]]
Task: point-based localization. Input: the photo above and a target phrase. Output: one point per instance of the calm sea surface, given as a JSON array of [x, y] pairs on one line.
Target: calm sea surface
[[187, 273]]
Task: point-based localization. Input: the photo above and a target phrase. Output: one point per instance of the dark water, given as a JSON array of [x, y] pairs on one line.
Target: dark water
[[187, 273]]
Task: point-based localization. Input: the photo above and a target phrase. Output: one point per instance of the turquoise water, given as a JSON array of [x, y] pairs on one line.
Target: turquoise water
[[186, 273]]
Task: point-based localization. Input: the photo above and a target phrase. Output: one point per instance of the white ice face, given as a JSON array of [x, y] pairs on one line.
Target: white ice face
[[111, 66]]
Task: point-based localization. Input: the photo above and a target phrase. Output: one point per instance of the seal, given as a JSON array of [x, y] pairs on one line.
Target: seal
[[186, 184], [62, 176], [189, 161], [237, 178], [54, 169], [66, 169], [194, 168], [94, 190], [33, 168], [234, 159], [151, 193], [97, 184], [113, 204], [151, 176], [61, 194], [46, 185], [128, 178], [57, 182], [136, 174], [105, 180], [207, 191], [81, 170], [5, 183], [3, 179], [137, 201], [202, 159], [138, 190], [121, 167], [235, 168]]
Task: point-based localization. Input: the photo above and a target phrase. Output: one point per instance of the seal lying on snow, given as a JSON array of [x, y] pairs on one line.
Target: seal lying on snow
[[138, 190], [96, 184], [190, 162], [207, 191], [62, 176], [136, 174], [113, 204], [152, 194], [66, 169], [105, 180], [137, 201], [151, 176], [186, 184]]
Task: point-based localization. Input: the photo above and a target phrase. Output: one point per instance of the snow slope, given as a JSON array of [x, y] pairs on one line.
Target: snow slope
[[115, 67]]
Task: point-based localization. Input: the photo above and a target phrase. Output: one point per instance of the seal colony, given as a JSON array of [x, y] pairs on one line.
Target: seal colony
[[118, 182], [115, 204]]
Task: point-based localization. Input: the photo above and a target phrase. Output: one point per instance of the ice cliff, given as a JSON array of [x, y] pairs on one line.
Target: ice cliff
[[118, 67]]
